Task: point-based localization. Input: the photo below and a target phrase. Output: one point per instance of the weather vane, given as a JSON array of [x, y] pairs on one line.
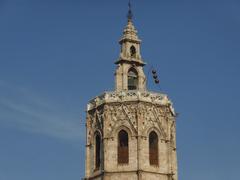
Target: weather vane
[[130, 14]]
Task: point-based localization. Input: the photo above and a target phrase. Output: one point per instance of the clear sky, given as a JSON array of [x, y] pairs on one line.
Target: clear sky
[[55, 55]]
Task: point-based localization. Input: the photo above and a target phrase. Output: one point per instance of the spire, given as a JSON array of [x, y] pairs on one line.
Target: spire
[[130, 14], [130, 32], [130, 42], [129, 73]]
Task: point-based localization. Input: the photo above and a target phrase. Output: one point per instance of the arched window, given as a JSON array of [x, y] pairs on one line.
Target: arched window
[[132, 79], [97, 151], [133, 51], [153, 148], [122, 147]]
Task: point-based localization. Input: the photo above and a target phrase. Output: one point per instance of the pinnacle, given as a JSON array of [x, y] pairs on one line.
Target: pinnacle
[[130, 32]]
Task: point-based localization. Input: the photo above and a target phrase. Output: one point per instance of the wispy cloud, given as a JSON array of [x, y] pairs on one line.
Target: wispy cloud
[[22, 109]]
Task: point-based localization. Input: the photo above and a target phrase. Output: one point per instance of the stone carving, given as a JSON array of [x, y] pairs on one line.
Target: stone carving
[[94, 123], [124, 96], [152, 117], [120, 115]]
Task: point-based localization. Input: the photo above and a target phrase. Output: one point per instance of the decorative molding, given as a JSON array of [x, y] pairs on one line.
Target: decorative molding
[[121, 115], [124, 96]]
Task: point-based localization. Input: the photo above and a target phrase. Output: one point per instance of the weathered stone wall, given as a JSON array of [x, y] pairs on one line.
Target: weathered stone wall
[[121, 176], [153, 176], [121, 77], [138, 119], [110, 158]]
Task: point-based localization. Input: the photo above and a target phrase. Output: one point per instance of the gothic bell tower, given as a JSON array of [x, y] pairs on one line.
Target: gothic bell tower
[[130, 132], [129, 74]]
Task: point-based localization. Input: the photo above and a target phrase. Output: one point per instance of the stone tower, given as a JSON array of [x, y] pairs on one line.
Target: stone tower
[[130, 132]]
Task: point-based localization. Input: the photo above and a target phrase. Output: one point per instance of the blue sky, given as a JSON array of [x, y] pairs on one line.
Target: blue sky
[[57, 55]]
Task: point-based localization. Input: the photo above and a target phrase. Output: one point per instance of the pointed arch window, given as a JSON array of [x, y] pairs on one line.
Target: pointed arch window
[[97, 151], [153, 148], [123, 147], [132, 79], [133, 51]]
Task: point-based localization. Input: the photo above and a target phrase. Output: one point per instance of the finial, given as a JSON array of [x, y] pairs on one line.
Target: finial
[[130, 14]]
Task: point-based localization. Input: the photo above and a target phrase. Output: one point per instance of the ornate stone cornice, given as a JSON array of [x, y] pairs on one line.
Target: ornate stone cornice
[[130, 96], [130, 61]]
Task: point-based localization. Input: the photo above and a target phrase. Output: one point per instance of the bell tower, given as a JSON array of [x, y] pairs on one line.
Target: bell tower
[[129, 73], [130, 132]]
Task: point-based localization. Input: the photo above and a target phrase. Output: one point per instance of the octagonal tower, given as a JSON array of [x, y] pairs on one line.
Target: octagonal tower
[[130, 132]]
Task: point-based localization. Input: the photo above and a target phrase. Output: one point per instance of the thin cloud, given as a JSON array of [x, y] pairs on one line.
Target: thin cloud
[[22, 109]]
